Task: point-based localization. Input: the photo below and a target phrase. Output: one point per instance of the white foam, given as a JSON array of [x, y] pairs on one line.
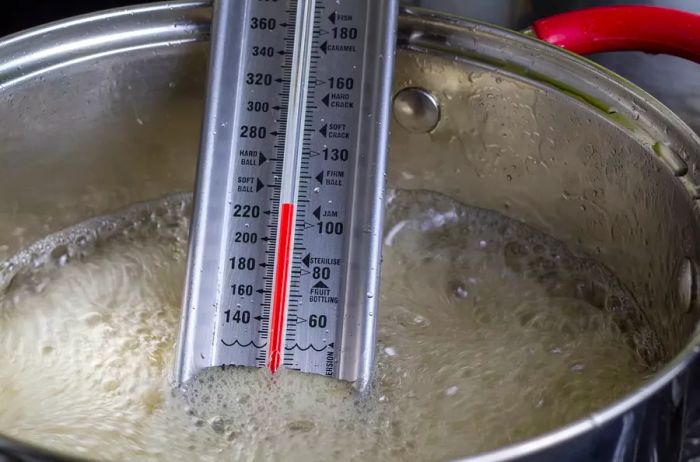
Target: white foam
[[87, 359]]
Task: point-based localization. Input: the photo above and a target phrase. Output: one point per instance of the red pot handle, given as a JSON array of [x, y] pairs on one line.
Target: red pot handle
[[624, 28]]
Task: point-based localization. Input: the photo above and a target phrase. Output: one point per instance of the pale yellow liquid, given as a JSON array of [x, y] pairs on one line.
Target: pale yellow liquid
[[489, 333]]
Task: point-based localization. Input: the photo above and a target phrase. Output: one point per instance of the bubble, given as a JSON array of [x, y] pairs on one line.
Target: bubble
[[578, 367], [303, 426], [217, 424], [485, 332], [459, 290]]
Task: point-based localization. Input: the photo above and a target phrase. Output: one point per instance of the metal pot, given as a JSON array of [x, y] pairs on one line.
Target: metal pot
[[111, 104], [651, 72]]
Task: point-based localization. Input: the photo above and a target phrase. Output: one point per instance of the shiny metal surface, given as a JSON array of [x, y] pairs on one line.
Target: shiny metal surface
[[212, 228], [672, 80], [356, 119], [416, 110], [687, 284], [363, 249], [104, 111], [590, 181]]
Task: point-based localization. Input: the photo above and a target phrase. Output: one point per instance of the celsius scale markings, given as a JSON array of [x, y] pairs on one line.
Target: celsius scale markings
[[286, 234]]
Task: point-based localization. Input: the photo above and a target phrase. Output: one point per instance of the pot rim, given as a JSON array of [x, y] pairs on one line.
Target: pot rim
[[67, 42]]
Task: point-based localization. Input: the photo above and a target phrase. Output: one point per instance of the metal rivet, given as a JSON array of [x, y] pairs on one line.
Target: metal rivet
[[676, 393], [416, 110], [687, 285]]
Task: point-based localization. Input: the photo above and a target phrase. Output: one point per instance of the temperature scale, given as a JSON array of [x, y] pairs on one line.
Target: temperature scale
[[285, 244]]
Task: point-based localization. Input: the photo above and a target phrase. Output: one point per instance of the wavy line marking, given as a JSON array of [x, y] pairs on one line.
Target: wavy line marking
[[236, 342], [298, 347]]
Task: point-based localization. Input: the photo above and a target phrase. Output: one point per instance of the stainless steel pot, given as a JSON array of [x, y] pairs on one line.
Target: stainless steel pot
[[108, 106], [672, 80]]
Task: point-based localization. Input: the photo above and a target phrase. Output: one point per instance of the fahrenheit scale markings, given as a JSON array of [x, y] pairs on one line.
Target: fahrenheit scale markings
[[287, 221]]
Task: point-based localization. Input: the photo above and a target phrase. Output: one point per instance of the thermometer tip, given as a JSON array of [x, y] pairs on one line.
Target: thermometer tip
[[274, 362]]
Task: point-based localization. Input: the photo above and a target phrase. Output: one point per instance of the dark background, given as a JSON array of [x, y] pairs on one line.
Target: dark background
[[23, 14]]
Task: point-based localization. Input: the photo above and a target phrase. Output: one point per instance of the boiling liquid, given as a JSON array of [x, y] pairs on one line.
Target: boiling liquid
[[489, 332]]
